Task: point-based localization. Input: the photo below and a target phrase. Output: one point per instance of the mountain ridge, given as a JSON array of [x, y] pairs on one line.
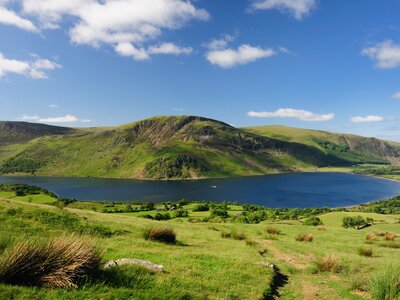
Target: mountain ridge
[[178, 147]]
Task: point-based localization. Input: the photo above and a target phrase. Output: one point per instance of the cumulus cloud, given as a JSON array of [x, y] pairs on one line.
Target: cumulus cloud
[[129, 26], [228, 58], [9, 17], [386, 54], [367, 119], [297, 8], [221, 43], [62, 119], [299, 114], [35, 69]]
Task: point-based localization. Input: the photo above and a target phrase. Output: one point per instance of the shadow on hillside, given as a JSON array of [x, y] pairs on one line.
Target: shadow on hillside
[[279, 280]]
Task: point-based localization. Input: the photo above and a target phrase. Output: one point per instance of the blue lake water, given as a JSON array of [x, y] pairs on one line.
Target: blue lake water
[[283, 190]]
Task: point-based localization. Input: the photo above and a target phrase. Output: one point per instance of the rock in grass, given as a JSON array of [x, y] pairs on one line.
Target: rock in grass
[[132, 261]]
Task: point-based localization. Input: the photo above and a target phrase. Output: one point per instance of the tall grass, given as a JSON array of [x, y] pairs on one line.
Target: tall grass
[[304, 237], [386, 284], [233, 234], [59, 263], [330, 264], [160, 234]]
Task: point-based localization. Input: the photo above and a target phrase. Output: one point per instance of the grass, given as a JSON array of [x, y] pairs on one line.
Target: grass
[[206, 265], [160, 234], [59, 263], [329, 264], [233, 234], [367, 252], [385, 285], [304, 237], [273, 230]]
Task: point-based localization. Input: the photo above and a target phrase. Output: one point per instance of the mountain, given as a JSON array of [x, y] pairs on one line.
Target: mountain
[[346, 146], [179, 147]]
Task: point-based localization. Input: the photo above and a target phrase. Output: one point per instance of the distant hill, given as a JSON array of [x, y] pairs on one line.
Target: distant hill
[[180, 147], [347, 146]]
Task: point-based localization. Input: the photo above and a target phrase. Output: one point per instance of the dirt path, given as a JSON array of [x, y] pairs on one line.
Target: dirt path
[[284, 257]]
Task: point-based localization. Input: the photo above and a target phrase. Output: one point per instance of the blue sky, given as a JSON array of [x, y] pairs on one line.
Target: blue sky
[[331, 65]]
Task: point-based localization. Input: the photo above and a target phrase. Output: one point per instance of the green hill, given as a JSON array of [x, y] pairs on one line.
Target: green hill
[[179, 147], [346, 146]]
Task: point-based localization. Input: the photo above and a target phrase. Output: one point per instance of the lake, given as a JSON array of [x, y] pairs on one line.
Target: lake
[[283, 190]]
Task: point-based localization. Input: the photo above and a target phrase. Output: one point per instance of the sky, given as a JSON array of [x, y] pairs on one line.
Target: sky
[[319, 64]]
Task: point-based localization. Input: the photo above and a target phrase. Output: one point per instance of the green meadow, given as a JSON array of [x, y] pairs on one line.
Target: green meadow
[[215, 255]]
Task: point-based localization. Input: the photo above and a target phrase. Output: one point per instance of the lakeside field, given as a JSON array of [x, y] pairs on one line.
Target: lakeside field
[[214, 258]]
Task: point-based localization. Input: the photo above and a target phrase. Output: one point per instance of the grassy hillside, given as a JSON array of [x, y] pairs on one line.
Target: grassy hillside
[[179, 148], [346, 146], [215, 258]]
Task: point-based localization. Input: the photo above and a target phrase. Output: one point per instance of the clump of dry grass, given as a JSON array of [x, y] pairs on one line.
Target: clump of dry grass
[[251, 243], [233, 234], [160, 234], [330, 264], [304, 237], [60, 263], [321, 228], [368, 252], [371, 237], [273, 230], [389, 236]]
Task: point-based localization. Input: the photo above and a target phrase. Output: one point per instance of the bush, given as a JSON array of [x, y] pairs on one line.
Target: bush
[[386, 284], [217, 212], [356, 222], [201, 207], [304, 237], [160, 234], [60, 263], [181, 214], [330, 263], [368, 252], [273, 230], [313, 221]]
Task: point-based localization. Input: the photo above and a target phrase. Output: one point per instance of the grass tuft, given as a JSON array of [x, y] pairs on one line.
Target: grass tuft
[[386, 284], [233, 234], [321, 228], [304, 237], [60, 263], [160, 234], [368, 252], [329, 264], [273, 230], [371, 237], [389, 237]]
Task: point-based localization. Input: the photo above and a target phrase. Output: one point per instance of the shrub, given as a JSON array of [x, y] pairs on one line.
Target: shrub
[[330, 263], [201, 207], [304, 237], [273, 230], [313, 221], [389, 236], [356, 222], [368, 252], [386, 284], [219, 213], [181, 214], [160, 234], [60, 263]]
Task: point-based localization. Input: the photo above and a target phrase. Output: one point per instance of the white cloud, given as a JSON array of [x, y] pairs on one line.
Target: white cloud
[[35, 69], [299, 114], [53, 106], [126, 25], [218, 44], [170, 48], [396, 96], [385, 54], [367, 119], [297, 8], [9, 17], [63, 119], [228, 58]]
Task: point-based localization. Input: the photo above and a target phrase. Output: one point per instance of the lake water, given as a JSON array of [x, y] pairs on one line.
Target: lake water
[[284, 190]]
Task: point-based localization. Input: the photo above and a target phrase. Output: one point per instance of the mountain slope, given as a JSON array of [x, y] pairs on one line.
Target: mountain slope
[[172, 148], [347, 146]]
